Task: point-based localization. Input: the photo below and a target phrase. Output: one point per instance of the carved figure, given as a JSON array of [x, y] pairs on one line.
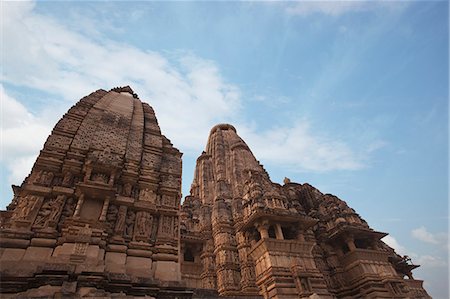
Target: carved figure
[[147, 195], [144, 224], [24, 207], [120, 223], [111, 216], [56, 208], [68, 210], [127, 188], [67, 180], [43, 214], [130, 223]]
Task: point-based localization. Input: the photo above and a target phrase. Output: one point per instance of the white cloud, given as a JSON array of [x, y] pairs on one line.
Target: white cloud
[[22, 136], [297, 147], [424, 235], [188, 93], [393, 243], [429, 261]]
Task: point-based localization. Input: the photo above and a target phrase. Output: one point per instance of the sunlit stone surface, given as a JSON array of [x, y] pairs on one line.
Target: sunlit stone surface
[[100, 216]]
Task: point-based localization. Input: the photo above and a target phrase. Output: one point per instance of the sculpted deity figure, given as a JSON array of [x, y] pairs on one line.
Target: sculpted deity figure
[[111, 216], [56, 208], [47, 178], [67, 180], [49, 212], [147, 195], [143, 224], [68, 210], [120, 223], [43, 214], [126, 190], [129, 221], [24, 207]]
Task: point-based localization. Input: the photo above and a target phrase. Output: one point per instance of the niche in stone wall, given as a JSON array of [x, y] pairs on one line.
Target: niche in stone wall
[[191, 252], [91, 209], [271, 232], [288, 233], [362, 243], [188, 256]]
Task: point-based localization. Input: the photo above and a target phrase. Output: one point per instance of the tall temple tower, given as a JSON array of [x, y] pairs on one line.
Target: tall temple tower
[[99, 211], [100, 216], [242, 234]]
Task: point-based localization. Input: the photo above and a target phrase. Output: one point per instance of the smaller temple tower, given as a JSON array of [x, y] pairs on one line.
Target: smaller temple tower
[[244, 235]]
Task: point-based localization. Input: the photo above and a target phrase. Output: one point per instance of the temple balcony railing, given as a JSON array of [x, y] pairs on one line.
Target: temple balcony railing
[[366, 255]]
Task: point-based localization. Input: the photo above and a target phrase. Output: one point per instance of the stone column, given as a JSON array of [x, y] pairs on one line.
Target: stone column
[[78, 207], [263, 230], [104, 209], [350, 243], [279, 232]]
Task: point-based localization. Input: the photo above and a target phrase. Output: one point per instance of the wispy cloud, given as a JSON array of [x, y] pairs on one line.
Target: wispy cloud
[[189, 94], [422, 234], [22, 136], [338, 8], [299, 148], [392, 242], [425, 260]]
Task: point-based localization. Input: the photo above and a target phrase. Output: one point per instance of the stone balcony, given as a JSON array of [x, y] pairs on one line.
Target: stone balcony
[[364, 255]]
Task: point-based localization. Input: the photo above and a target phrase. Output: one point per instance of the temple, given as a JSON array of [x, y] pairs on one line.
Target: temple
[[100, 215]]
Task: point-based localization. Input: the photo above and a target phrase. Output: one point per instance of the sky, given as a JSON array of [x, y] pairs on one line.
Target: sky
[[351, 97]]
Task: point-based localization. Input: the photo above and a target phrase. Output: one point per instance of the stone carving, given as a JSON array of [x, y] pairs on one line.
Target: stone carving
[[129, 221], [67, 179], [50, 211], [143, 227], [100, 178], [147, 195], [43, 214], [122, 228], [68, 210], [246, 212], [127, 189], [24, 207], [167, 225], [43, 177], [167, 200], [120, 222]]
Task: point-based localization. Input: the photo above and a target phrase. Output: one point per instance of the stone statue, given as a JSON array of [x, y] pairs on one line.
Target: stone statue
[[129, 221], [120, 223]]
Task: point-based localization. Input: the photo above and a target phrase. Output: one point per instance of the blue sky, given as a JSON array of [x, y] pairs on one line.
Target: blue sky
[[351, 97]]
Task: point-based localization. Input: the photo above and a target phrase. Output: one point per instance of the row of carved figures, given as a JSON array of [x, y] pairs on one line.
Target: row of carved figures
[[48, 179], [124, 222]]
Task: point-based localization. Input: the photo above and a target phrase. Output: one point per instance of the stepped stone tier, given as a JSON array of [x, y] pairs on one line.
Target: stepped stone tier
[[100, 216]]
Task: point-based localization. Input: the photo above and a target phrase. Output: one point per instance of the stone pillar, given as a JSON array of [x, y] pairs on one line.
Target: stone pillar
[[104, 209], [78, 207], [278, 232], [350, 243], [263, 229]]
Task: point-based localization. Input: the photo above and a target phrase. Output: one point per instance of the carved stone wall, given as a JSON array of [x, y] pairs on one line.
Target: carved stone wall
[[101, 205], [280, 241], [100, 216]]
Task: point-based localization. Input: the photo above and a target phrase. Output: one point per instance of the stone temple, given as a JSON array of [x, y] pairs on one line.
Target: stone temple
[[100, 216]]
